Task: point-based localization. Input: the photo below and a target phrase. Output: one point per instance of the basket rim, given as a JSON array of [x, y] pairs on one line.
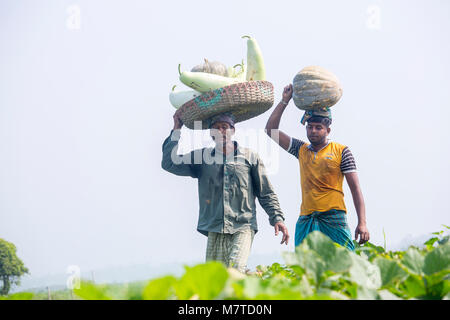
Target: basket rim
[[254, 109]]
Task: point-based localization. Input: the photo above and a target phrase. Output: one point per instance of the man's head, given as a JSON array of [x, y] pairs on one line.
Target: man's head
[[317, 129], [222, 128]]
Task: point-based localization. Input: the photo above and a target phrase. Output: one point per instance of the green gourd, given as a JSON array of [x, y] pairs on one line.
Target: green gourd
[[179, 97], [204, 82], [255, 62]]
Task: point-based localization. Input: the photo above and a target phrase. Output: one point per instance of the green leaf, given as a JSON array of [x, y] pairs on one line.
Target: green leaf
[[387, 295], [430, 242], [331, 294], [238, 289], [18, 296], [319, 253], [204, 280], [370, 250], [286, 294], [297, 270], [365, 293], [413, 286], [437, 286], [311, 262], [413, 261], [278, 289], [390, 271], [90, 291], [290, 258], [340, 261], [446, 288], [135, 291], [371, 246], [364, 273], [437, 260], [321, 244], [252, 287], [436, 278], [305, 288], [159, 289], [234, 274]]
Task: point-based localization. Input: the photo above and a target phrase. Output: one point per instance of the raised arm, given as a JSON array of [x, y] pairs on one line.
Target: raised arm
[[181, 165], [274, 120]]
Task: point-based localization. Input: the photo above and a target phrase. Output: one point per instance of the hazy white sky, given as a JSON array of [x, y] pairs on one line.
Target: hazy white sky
[[84, 110]]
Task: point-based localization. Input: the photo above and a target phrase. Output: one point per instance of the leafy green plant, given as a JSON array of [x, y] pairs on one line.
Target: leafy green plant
[[318, 269]]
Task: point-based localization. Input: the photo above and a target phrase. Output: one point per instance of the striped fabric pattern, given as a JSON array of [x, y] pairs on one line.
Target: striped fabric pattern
[[332, 223], [294, 146], [231, 249], [347, 163]]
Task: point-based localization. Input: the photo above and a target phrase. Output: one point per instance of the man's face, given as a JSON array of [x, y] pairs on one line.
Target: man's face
[[317, 132], [221, 132]]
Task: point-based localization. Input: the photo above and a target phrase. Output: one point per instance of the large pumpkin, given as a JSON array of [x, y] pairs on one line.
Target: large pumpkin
[[315, 87]]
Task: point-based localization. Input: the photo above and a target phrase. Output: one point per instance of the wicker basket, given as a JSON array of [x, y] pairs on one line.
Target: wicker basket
[[244, 100]]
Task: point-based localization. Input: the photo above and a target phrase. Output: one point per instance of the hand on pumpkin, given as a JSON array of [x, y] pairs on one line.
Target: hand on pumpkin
[[287, 93]]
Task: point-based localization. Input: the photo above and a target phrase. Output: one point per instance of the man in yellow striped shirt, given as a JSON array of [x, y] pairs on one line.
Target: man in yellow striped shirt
[[323, 166]]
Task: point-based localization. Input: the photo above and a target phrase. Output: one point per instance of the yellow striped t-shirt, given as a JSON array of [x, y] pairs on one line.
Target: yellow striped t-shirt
[[322, 175]]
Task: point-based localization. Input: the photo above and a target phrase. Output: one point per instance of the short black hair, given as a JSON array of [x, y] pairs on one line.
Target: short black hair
[[323, 120]]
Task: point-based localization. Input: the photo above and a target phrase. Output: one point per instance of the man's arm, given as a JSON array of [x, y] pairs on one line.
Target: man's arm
[[274, 120], [358, 200], [268, 199], [181, 165]]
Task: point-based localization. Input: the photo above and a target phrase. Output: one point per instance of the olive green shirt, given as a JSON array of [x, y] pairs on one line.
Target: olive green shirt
[[227, 185]]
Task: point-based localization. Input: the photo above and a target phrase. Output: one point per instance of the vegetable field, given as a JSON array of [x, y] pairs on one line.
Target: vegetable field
[[318, 269]]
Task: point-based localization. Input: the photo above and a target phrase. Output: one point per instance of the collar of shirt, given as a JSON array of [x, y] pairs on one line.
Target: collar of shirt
[[237, 149], [311, 148]]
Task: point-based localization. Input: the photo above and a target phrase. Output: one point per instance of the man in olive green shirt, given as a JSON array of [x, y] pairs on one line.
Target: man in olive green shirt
[[230, 177]]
